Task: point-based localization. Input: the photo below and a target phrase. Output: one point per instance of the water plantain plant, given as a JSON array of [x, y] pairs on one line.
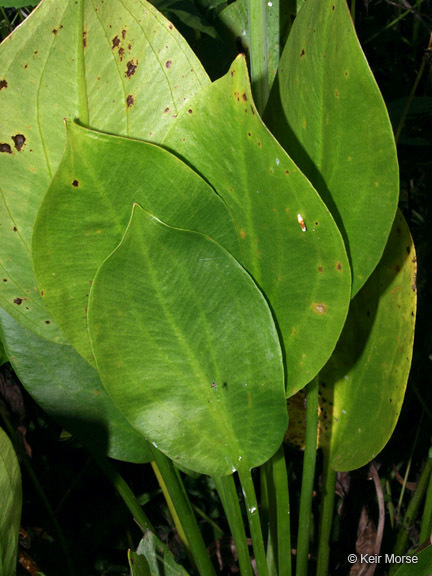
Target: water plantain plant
[[180, 257]]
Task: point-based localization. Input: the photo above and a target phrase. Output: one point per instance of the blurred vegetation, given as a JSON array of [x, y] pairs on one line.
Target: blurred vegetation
[[97, 528]]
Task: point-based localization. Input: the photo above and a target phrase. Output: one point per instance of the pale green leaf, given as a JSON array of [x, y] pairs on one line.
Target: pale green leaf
[[87, 208], [333, 122], [153, 558], [187, 348], [70, 391], [10, 506], [303, 270], [119, 67]]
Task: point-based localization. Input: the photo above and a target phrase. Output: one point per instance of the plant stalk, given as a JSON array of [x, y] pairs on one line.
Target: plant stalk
[[178, 501], [258, 53], [307, 478], [226, 489], [254, 522], [326, 517]]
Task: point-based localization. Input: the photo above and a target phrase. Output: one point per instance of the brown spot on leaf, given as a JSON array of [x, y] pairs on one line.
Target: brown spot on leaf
[[166, 110], [47, 322], [252, 109], [259, 143], [85, 39], [18, 301], [115, 42], [19, 141], [190, 111], [336, 93], [75, 183], [4, 279], [54, 31], [130, 100], [15, 229], [232, 72], [338, 266], [3, 84], [4, 147], [319, 307], [287, 172], [131, 68], [121, 53], [42, 292], [168, 64], [302, 53], [320, 268], [123, 34], [170, 26], [244, 97]]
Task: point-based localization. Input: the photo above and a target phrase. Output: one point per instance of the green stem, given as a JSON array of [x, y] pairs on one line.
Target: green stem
[[426, 524], [258, 53], [172, 486], [413, 507], [227, 491], [122, 488], [41, 493], [280, 482], [326, 517], [307, 478], [254, 522]]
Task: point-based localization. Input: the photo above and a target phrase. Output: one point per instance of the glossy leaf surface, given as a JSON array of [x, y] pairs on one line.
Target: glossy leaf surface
[[10, 505], [333, 122], [121, 68], [70, 391], [366, 377], [87, 208], [302, 268], [202, 376]]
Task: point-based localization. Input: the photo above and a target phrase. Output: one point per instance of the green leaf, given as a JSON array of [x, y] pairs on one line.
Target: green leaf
[[337, 130], [10, 505], [87, 208], [364, 383], [153, 558], [3, 355], [420, 568], [304, 274], [121, 68], [188, 349], [70, 391]]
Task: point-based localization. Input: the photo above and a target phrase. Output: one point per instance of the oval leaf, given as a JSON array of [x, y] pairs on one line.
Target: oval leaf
[[337, 129], [70, 391], [87, 208], [364, 383], [187, 348], [121, 68], [290, 242]]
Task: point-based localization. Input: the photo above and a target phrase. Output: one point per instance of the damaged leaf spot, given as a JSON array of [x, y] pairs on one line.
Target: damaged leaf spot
[[123, 34], [131, 68], [115, 42], [244, 97], [130, 100], [19, 141], [18, 301], [302, 53], [319, 307], [47, 322], [170, 26], [4, 147], [55, 30], [190, 111], [338, 266], [121, 53], [168, 64], [85, 39], [75, 183], [3, 84], [336, 93], [15, 229], [166, 110]]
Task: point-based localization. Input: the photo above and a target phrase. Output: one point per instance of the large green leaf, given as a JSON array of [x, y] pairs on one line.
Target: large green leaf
[[10, 506], [422, 567], [186, 346], [334, 124], [302, 269], [363, 385], [70, 391], [87, 208], [120, 67]]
